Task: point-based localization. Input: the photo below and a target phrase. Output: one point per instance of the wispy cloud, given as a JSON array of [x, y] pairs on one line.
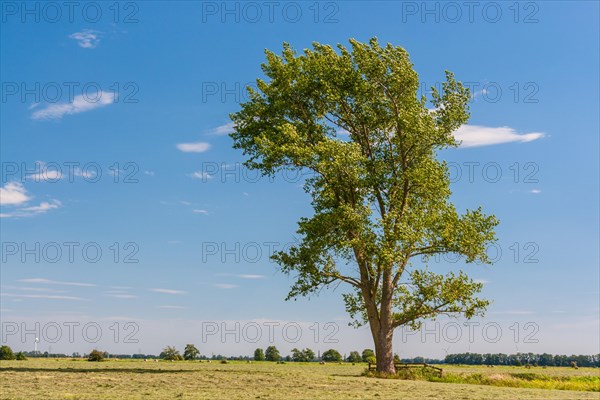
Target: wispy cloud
[[33, 289], [224, 129], [201, 175], [167, 291], [225, 286], [43, 207], [51, 282], [197, 211], [242, 276], [79, 104], [197, 147], [172, 307], [535, 191], [14, 194], [47, 174], [251, 276], [87, 38], [43, 296], [122, 296], [477, 135]]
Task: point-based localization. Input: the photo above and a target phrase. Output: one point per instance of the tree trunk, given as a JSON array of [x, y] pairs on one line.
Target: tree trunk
[[383, 350]]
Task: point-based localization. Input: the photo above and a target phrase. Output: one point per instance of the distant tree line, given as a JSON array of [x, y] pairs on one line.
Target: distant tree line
[[519, 359], [271, 353]]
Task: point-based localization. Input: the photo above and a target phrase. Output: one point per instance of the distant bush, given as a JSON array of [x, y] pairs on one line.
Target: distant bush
[[331, 355], [259, 355], [170, 353], [354, 357], [272, 354], [96, 356], [20, 356], [6, 353], [366, 354]]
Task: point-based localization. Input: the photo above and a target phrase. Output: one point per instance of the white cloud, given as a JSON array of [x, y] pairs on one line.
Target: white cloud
[[43, 296], [44, 207], [476, 135], [81, 103], [48, 175], [122, 296], [84, 174], [51, 282], [242, 276], [167, 291], [149, 173], [200, 212], [225, 286], [201, 175], [223, 129], [251, 276], [535, 191], [197, 147], [87, 38], [13, 193], [33, 289]]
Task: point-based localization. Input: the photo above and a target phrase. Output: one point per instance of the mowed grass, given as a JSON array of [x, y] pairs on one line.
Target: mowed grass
[[129, 379]]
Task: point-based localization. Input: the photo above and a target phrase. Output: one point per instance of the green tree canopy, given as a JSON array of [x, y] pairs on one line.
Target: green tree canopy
[[354, 357], [259, 355], [366, 354], [381, 198], [170, 353], [190, 352], [96, 355], [6, 353], [272, 354], [331, 355]]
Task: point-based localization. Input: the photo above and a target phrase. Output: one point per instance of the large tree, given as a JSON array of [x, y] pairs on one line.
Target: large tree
[[381, 197]]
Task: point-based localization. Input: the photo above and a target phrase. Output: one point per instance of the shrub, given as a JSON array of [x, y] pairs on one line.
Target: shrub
[[170, 353], [259, 355], [96, 356], [366, 354], [331, 355], [6, 353], [190, 352], [272, 354], [20, 356], [354, 357]]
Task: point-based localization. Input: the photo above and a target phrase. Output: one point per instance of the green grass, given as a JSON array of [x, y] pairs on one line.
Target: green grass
[[544, 378], [132, 379]]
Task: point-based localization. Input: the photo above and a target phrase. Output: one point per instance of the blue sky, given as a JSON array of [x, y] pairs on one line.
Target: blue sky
[[114, 124]]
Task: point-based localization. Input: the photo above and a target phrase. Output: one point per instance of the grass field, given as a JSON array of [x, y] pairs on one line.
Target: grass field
[[129, 379]]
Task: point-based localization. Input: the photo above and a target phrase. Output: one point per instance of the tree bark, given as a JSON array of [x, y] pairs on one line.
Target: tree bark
[[383, 350], [383, 329]]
